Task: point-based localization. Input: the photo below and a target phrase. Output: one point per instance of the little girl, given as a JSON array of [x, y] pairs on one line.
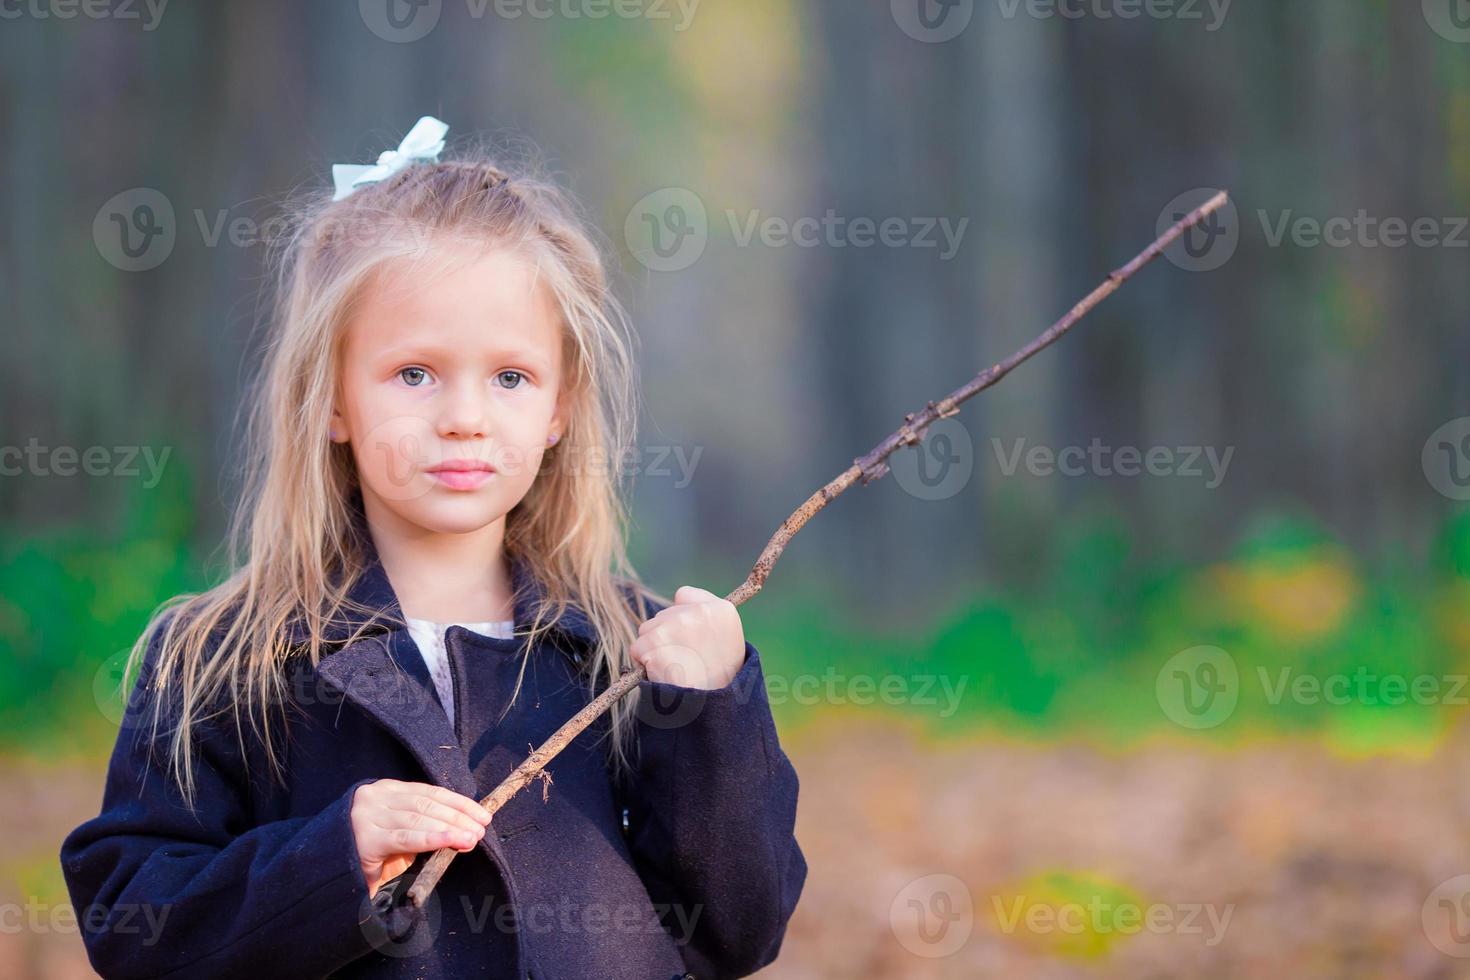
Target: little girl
[[433, 580]]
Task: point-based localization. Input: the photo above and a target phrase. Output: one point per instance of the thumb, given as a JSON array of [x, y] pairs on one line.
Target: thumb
[[689, 593]]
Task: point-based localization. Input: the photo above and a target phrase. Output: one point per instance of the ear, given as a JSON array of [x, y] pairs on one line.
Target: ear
[[338, 428], [558, 425]]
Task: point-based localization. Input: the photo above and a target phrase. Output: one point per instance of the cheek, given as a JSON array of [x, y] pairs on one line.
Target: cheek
[[390, 442], [517, 460]]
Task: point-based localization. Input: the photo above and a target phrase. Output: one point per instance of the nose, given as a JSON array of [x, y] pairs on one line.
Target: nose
[[463, 414]]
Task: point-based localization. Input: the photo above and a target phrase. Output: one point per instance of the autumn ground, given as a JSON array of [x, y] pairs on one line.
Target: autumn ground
[[990, 858]]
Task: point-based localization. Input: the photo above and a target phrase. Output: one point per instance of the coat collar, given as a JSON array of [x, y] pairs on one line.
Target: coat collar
[[384, 675], [372, 589]]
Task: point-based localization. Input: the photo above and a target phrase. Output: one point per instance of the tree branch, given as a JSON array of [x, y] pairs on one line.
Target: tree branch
[[870, 467]]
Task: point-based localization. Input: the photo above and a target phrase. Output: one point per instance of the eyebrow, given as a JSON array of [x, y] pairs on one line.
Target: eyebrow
[[409, 351]]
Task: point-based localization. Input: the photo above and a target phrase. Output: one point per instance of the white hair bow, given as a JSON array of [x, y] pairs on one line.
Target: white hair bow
[[424, 142]]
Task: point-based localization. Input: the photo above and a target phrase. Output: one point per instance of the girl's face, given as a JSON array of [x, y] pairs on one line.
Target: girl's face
[[449, 390]]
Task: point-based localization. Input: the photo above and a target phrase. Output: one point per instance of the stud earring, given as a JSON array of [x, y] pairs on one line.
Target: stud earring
[[552, 440]]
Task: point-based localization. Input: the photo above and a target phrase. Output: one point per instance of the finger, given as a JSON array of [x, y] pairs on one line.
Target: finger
[[396, 820], [691, 593], [378, 787], [426, 807], [649, 642], [412, 840], [449, 797], [673, 669]]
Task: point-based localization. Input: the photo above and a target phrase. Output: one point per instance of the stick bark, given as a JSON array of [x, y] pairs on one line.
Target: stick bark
[[867, 468]]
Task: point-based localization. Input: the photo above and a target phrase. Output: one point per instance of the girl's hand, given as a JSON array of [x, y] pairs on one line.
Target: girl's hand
[[697, 642], [393, 820]]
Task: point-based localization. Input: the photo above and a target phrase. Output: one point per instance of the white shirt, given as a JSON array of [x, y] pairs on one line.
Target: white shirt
[[428, 636]]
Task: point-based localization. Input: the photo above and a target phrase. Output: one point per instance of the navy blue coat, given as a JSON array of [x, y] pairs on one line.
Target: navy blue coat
[[690, 866]]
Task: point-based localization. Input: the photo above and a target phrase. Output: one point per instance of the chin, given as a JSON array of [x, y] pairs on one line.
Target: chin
[[460, 516], [447, 512]]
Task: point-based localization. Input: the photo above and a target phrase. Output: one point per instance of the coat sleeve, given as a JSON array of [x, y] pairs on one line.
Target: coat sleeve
[[161, 892], [711, 814]]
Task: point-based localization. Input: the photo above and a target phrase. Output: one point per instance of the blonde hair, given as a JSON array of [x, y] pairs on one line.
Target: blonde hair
[[291, 556]]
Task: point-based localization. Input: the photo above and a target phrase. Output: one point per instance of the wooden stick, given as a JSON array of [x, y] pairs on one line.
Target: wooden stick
[[867, 468]]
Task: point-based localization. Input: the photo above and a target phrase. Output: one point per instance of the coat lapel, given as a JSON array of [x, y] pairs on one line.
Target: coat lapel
[[384, 675]]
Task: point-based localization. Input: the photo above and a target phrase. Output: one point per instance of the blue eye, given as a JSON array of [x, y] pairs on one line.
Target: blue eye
[[514, 374], [419, 376]]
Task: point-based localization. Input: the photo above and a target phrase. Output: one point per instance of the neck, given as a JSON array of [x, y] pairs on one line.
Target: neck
[[443, 576]]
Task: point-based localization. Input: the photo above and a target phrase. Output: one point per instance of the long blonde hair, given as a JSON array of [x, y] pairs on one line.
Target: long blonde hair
[[289, 548]]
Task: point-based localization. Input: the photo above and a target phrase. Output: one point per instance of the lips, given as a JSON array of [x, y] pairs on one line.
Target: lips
[[462, 474]]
